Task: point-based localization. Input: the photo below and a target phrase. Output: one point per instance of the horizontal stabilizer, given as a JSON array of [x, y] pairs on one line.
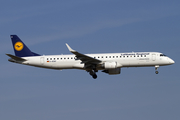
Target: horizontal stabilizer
[[16, 58]]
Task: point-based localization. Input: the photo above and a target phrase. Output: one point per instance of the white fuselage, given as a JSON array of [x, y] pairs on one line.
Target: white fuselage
[[134, 59], [110, 63]]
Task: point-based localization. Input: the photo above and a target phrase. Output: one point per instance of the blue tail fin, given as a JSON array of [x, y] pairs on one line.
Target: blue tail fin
[[20, 49]]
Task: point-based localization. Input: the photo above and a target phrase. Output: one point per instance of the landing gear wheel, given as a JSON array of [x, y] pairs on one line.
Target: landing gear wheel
[[94, 76], [156, 72]]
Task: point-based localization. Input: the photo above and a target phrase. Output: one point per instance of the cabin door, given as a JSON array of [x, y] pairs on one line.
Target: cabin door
[[42, 60], [153, 57]]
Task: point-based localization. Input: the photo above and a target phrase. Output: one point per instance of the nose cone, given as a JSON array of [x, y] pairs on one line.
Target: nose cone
[[171, 61]]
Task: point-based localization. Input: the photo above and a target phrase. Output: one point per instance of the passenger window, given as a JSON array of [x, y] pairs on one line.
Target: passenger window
[[50, 58]]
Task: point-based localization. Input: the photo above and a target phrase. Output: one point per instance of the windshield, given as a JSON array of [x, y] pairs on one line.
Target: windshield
[[162, 55]]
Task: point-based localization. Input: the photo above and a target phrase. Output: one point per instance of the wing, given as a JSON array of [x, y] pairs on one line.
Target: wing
[[84, 58]]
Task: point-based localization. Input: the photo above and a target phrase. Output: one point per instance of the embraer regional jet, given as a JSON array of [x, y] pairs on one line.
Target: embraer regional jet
[[110, 63]]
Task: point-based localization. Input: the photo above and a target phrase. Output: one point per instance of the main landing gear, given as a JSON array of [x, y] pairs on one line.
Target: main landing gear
[[93, 73], [156, 69]]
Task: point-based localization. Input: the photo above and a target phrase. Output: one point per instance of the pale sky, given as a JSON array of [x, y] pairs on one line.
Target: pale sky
[[90, 26]]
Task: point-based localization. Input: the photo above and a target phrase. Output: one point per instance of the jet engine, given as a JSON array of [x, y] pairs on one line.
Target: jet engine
[[110, 65]]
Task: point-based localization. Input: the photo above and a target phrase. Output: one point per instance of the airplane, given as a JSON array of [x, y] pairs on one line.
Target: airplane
[[110, 63]]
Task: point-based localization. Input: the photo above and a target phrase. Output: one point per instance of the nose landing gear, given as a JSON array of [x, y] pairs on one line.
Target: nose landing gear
[[156, 69]]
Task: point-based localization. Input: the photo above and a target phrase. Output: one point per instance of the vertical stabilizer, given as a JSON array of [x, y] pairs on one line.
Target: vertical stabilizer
[[20, 49]]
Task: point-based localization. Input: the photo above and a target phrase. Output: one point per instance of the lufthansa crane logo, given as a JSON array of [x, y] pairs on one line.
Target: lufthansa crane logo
[[18, 46]]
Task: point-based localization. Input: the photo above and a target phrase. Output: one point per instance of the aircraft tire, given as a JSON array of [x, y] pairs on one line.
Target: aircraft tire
[[94, 76]]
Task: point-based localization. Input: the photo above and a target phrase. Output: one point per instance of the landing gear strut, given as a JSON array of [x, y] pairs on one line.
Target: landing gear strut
[[93, 73], [156, 69]]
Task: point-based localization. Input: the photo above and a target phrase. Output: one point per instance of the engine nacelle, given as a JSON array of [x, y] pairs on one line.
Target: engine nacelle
[[113, 71], [110, 65]]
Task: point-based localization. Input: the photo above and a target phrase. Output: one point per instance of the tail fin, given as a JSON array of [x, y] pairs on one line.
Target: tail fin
[[20, 49]]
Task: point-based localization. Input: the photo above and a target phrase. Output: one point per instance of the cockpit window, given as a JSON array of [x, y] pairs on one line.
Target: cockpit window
[[162, 55]]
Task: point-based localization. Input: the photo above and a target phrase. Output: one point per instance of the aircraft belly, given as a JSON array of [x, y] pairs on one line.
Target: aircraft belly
[[62, 65], [78, 66]]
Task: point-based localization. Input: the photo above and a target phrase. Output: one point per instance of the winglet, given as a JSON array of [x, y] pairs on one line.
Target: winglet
[[70, 49]]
